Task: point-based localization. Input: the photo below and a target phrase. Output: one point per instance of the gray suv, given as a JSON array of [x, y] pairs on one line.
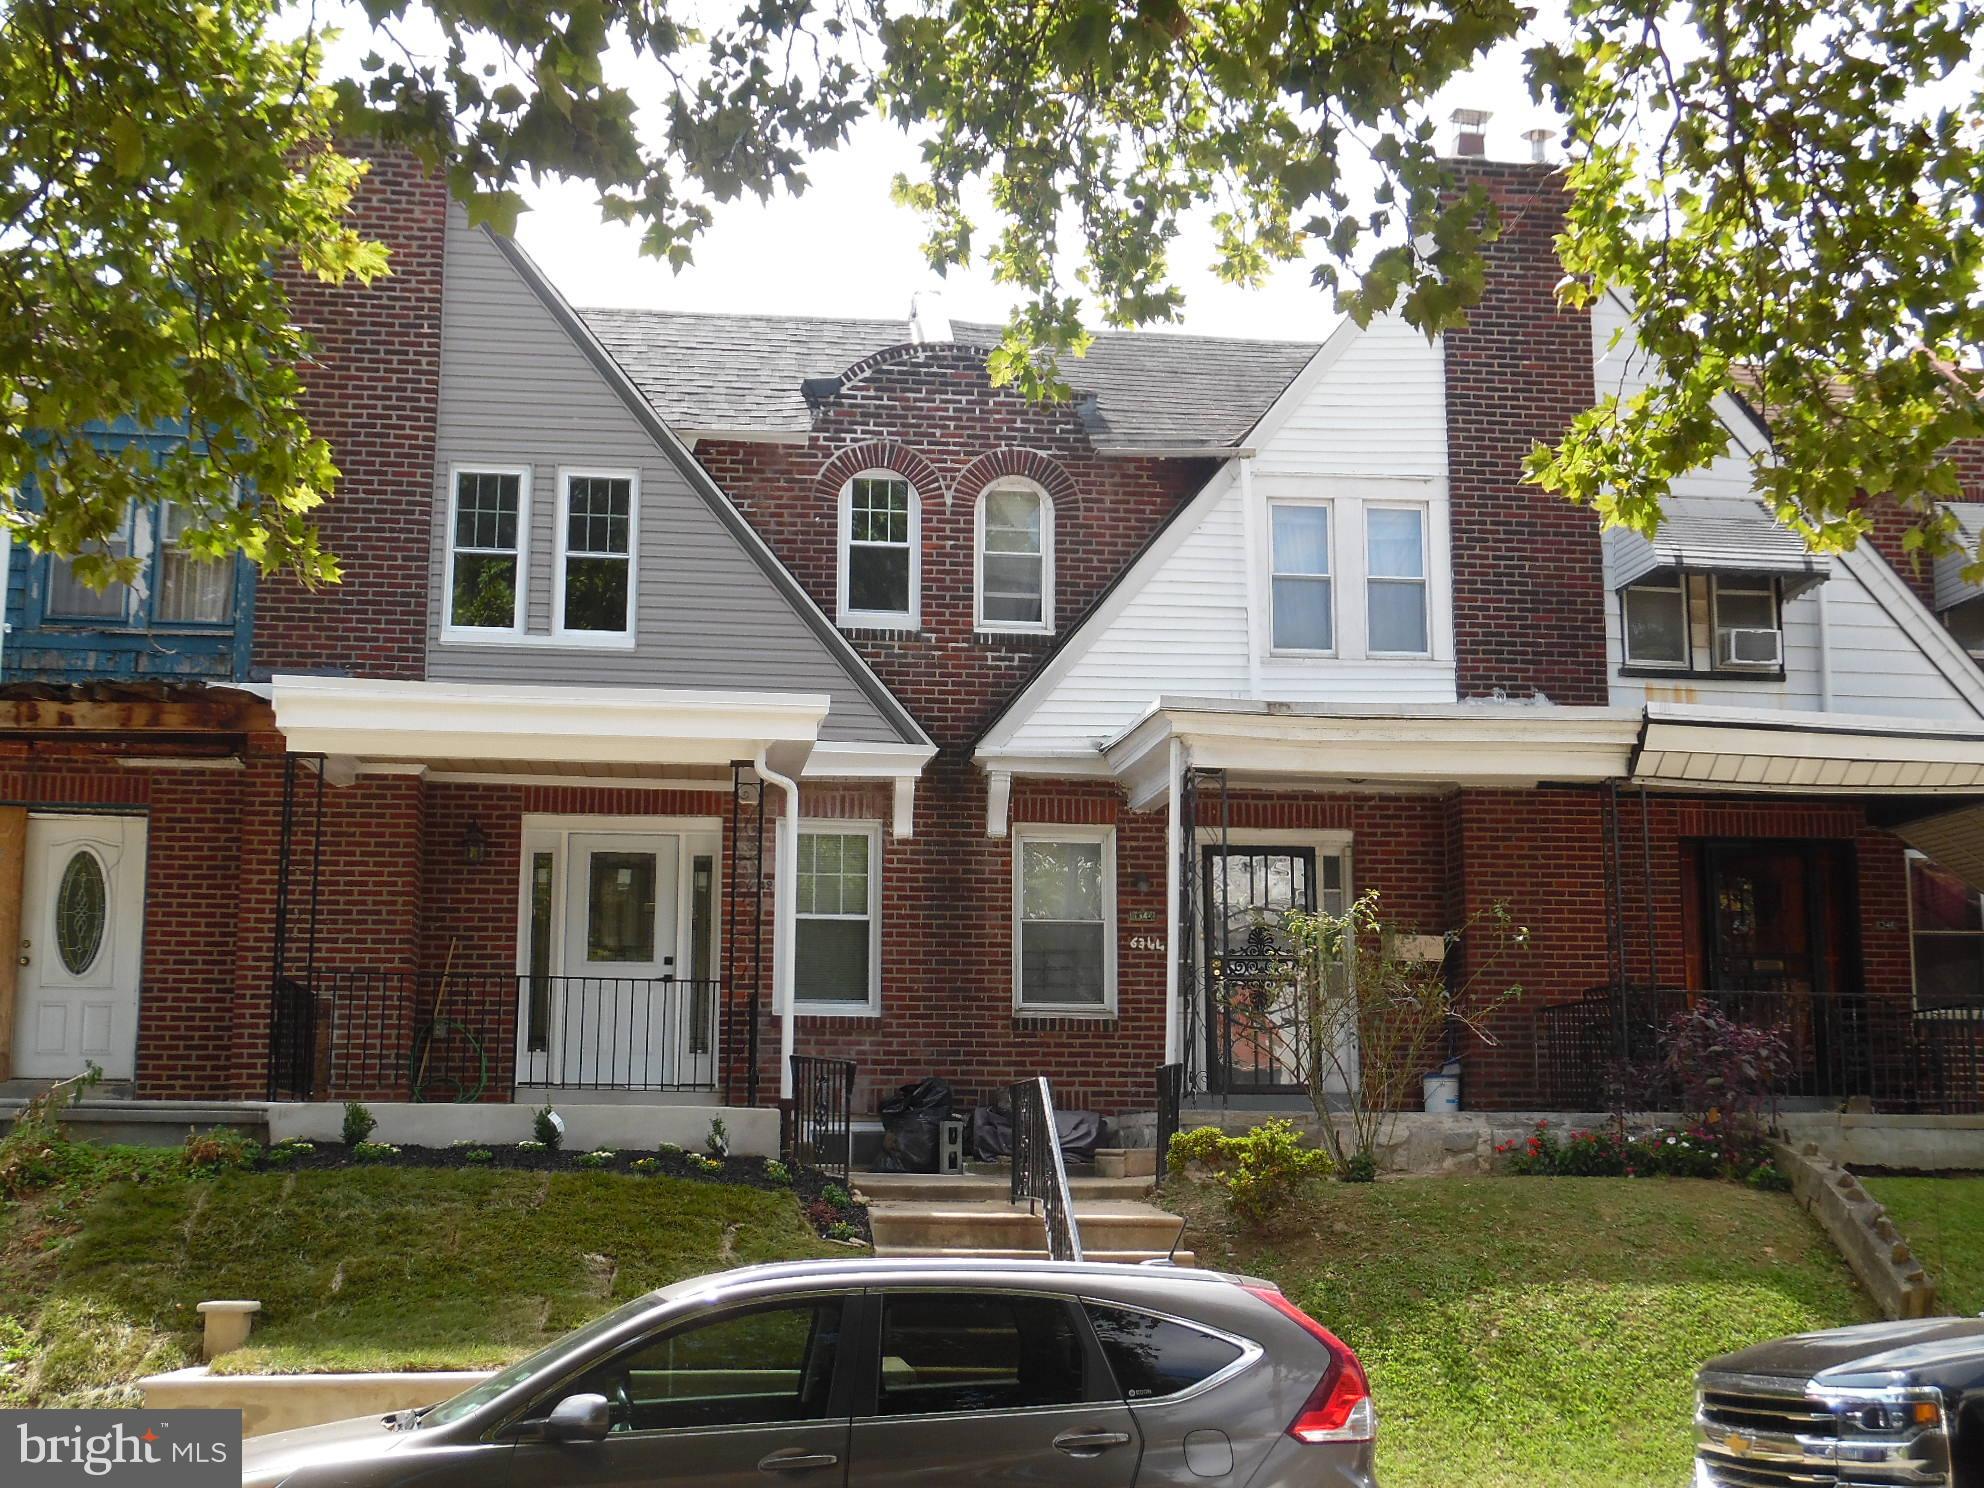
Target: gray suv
[[873, 1373]]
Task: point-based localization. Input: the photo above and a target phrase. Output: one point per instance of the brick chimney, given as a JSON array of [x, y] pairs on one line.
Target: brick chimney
[[1529, 588], [373, 390]]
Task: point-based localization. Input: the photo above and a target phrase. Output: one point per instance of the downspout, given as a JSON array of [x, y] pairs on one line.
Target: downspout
[[1825, 654], [785, 944], [1173, 846]]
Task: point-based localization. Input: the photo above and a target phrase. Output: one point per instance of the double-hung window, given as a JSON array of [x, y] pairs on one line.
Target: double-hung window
[[1064, 918], [1301, 583], [486, 527], [181, 586], [1655, 612], [879, 568], [1748, 633], [1946, 921], [1395, 580], [595, 599], [1015, 558], [838, 919]]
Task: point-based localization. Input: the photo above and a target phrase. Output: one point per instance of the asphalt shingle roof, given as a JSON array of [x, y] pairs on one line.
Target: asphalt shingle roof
[[744, 372]]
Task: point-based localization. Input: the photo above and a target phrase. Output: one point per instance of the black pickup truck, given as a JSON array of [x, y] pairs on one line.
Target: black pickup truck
[[1885, 1405]]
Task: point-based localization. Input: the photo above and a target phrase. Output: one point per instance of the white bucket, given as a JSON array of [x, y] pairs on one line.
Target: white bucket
[[1442, 1094]]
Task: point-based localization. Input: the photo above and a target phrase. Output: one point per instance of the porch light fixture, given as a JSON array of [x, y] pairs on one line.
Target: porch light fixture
[[475, 845]]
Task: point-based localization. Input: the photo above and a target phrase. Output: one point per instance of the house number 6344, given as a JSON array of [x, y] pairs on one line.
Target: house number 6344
[[1146, 942]]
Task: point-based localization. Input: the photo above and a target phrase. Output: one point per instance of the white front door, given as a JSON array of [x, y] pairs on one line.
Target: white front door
[[615, 1009], [82, 939]]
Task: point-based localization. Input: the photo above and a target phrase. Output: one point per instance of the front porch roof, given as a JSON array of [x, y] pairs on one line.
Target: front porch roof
[[1760, 749], [431, 723], [1429, 744]]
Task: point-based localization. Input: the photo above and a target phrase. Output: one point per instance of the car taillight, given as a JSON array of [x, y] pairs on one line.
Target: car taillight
[[1339, 1408]]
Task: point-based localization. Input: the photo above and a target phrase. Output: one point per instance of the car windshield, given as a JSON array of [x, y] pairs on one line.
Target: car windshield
[[549, 1359]]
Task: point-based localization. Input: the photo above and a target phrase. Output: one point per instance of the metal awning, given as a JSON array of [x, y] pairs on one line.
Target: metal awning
[[1759, 749], [1952, 588], [1708, 535]]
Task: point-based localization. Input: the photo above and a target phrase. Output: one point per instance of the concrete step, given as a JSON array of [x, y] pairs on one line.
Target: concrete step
[[1000, 1226], [1126, 1162], [936, 1188]]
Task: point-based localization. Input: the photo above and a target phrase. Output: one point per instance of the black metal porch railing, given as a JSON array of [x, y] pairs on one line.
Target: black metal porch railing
[[383, 1035], [1039, 1174], [820, 1127], [1900, 1058], [1170, 1102]]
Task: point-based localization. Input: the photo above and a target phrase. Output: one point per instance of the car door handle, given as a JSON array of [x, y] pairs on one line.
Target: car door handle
[[1088, 1443], [792, 1460]]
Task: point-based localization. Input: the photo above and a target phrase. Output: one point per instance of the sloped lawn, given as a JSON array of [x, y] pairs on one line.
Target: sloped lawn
[[1943, 1222], [1527, 1331], [361, 1268]]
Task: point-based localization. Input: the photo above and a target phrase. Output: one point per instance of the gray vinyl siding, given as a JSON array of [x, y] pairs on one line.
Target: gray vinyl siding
[[517, 391]]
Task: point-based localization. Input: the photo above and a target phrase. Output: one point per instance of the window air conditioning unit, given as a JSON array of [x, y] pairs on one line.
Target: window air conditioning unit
[[1751, 647]]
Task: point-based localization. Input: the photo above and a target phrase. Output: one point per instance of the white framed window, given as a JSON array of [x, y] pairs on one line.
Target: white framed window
[[838, 915], [1655, 617], [1301, 576], [1064, 919], [880, 560], [598, 523], [1742, 603], [488, 523], [1395, 608], [1015, 558]]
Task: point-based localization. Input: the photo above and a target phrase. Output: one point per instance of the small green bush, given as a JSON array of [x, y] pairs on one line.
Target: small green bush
[[704, 1164], [1736, 1153], [295, 1149], [646, 1165], [547, 1128], [1260, 1171], [359, 1124], [1359, 1167], [718, 1141], [834, 1194], [673, 1148], [373, 1151], [478, 1155], [531, 1147], [840, 1229], [599, 1157], [777, 1171]]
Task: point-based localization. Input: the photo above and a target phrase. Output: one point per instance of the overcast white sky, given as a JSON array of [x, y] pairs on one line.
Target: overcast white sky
[[842, 248]]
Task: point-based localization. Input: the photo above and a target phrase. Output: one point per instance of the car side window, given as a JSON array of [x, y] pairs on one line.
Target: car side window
[[1152, 1357], [965, 1351], [759, 1367]]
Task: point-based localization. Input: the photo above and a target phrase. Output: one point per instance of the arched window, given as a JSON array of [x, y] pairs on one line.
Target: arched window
[[1015, 557], [880, 552]]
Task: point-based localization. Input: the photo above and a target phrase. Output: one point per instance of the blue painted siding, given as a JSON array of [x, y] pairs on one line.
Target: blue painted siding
[[39, 647]]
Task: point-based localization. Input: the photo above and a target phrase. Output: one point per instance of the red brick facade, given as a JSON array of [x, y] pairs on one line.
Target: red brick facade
[[1528, 581], [373, 391]]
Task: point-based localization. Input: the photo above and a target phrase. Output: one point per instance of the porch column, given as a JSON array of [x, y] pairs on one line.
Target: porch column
[[785, 939], [13, 862], [1173, 848]]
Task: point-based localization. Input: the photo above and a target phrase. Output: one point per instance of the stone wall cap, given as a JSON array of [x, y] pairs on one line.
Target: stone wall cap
[[229, 1305]]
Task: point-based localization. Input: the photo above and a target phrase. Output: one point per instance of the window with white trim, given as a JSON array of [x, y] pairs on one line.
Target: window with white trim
[[1395, 580], [487, 522], [1655, 616], [1064, 919], [1300, 583], [838, 918], [1749, 636], [879, 564], [596, 570], [1015, 557]]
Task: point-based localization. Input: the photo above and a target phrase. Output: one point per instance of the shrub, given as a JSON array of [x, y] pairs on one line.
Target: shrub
[[359, 1124], [1259, 1171], [548, 1128], [718, 1141], [1727, 1073], [674, 1149], [374, 1151], [834, 1194], [478, 1155], [217, 1150], [295, 1149], [704, 1164], [531, 1147], [35, 1152], [777, 1171], [646, 1165], [840, 1229], [1696, 1151], [599, 1157], [1359, 1167]]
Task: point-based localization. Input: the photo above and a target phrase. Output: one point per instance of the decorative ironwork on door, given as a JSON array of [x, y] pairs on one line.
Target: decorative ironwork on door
[[1256, 1020]]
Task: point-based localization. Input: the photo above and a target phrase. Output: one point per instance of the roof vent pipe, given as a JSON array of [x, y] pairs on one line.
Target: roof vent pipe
[[1470, 132], [1539, 144], [927, 320]]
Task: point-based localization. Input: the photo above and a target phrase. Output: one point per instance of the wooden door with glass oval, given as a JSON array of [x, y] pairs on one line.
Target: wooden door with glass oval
[[619, 943], [82, 936]]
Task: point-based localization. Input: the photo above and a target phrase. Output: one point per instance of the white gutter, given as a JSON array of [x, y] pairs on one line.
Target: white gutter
[[1825, 653], [785, 940]]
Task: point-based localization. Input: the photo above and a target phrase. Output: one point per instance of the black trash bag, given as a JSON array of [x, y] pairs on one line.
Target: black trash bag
[[1078, 1132], [911, 1119]]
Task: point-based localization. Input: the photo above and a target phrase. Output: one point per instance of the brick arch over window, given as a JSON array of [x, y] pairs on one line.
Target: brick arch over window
[[1043, 470], [881, 454], [912, 350]]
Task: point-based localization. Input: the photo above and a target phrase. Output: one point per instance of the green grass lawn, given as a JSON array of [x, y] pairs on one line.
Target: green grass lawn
[[365, 1268], [1943, 1222], [1542, 1330]]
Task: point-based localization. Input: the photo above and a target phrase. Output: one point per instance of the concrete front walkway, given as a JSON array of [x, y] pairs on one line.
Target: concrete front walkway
[[920, 1214]]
